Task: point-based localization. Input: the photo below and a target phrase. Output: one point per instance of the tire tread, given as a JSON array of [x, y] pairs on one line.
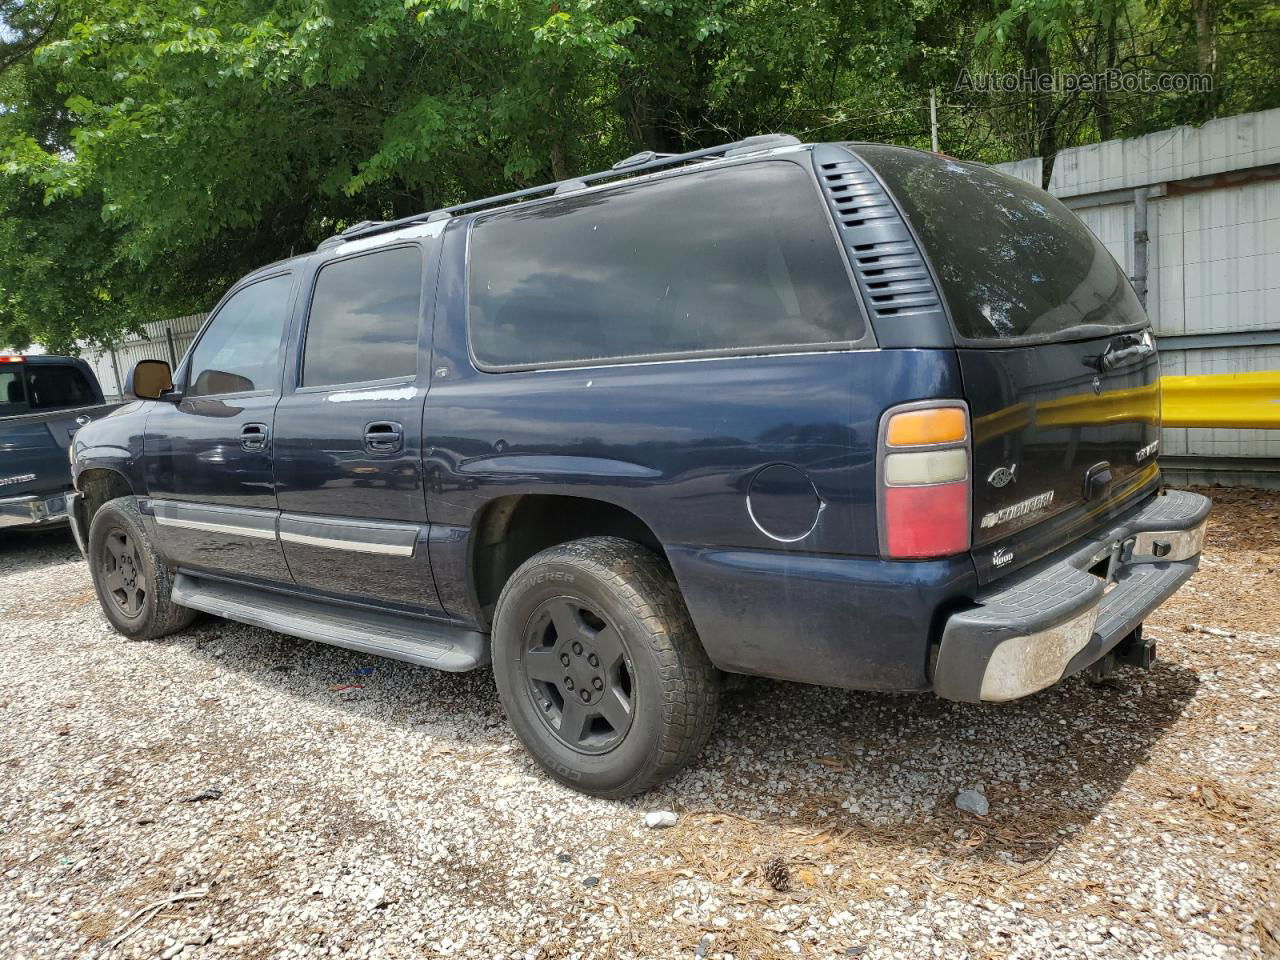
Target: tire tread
[[691, 685], [168, 616]]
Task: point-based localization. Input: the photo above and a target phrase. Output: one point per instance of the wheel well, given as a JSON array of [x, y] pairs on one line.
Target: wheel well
[[513, 529], [98, 486]]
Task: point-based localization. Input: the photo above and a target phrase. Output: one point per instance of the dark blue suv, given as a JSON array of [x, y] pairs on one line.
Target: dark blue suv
[[844, 414]]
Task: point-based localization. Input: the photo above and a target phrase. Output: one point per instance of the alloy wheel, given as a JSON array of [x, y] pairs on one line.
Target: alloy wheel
[[578, 675], [123, 576]]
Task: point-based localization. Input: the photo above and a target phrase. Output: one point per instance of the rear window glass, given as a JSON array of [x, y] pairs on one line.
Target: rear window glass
[[51, 387], [1013, 261], [13, 396], [734, 259], [364, 319]]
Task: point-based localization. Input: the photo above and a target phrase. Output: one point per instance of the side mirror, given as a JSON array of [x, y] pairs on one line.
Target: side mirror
[[148, 380]]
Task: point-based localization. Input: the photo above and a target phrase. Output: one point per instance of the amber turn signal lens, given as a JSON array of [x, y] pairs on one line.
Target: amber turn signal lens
[[917, 427]]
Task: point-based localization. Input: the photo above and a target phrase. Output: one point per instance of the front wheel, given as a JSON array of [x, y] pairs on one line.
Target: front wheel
[[599, 668], [132, 582]]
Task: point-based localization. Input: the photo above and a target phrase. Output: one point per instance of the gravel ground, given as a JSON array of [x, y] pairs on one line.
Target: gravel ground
[[229, 792]]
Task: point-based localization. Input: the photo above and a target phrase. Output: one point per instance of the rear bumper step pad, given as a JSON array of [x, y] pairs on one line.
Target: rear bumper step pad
[[1056, 618]]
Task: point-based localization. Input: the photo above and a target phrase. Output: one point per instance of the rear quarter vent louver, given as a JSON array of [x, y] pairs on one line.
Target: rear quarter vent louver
[[890, 271]]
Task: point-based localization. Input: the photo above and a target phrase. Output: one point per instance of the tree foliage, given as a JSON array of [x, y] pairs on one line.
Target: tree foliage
[[152, 152]]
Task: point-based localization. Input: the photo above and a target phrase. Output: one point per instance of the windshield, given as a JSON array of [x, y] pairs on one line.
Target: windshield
[[1013, 261]]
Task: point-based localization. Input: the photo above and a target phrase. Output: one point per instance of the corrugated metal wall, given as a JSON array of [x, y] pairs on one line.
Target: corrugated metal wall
[[155, 345], [1214, 261]]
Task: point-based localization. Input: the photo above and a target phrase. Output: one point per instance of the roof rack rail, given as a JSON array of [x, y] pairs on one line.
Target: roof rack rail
[[644, 156], [645, 160]]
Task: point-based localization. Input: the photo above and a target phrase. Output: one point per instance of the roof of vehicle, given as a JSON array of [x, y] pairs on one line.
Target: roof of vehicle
[[645, 162], [274, 265]]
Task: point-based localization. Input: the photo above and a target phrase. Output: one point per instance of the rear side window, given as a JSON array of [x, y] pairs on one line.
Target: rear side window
[[1013, 261], [13, 396], [739, 259], [240, 350], [364, 319], [49, 388]]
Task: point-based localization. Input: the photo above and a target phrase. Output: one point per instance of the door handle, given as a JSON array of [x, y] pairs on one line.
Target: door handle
[[253, 436], [383, 436]]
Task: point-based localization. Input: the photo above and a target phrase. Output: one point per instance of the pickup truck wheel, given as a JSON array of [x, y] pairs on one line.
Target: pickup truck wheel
[[132, 582], [599, 668]]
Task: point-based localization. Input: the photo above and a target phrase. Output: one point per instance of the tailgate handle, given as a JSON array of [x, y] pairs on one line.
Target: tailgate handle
[[1125, 348]]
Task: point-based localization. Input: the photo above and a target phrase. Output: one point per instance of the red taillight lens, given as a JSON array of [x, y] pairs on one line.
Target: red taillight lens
[[925, 478], [926, 521]]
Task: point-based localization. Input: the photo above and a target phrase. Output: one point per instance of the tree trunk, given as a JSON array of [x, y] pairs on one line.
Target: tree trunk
[[559, 167], [1044, 116], [642, 122], [1205, 14], [1102, 102]]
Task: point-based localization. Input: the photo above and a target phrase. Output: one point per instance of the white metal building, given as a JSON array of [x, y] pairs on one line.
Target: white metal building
[[1212, 248], [162, 340]]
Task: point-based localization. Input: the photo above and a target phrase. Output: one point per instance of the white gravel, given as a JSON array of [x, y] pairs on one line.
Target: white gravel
[[229, 792]]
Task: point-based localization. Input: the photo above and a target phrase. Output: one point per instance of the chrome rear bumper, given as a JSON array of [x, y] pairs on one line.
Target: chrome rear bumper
[[1062, 615], [33, 510]]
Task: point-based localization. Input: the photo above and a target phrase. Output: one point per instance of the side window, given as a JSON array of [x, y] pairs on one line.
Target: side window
[[13, 396], [733, 259], [241, 351], [364, 319], [53, 387]]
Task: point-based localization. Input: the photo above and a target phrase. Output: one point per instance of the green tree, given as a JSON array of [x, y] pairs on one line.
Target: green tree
[[150, 153]]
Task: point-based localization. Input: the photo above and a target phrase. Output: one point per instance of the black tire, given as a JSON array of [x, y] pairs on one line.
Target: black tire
[[663, 694], [132, 582]]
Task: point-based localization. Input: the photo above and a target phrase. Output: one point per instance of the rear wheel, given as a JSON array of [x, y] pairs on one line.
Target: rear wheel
[[599, 667], [133, 584]]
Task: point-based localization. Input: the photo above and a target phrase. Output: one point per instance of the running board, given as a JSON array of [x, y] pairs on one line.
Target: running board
[[428, 643]]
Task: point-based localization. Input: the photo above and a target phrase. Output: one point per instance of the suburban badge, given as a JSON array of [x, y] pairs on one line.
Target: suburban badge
[[1019, 509]]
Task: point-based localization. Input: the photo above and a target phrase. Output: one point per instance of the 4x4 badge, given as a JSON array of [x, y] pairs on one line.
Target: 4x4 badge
[[1003, 476]]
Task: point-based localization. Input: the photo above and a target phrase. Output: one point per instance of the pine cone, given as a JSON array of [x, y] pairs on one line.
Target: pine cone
[[777, 873]]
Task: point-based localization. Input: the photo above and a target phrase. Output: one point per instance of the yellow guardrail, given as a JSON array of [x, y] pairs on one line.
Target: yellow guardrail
[[1222, 400], [1208, 400]]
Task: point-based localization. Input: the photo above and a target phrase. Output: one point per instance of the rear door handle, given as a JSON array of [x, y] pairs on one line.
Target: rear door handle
[[383, 436], [253, 436]]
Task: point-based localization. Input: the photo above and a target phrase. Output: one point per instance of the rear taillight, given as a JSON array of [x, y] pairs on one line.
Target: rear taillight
[[924, 478]]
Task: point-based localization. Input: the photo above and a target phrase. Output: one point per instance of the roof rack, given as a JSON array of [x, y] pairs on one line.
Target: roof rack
[[646, 160]]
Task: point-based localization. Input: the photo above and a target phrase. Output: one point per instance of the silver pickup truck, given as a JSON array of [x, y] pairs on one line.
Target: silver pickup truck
[[44, 400]]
